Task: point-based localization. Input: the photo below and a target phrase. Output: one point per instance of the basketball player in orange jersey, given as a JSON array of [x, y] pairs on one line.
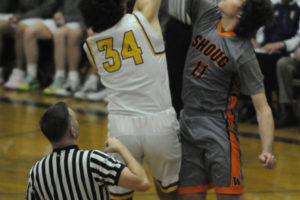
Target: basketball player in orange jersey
[[220, 63]]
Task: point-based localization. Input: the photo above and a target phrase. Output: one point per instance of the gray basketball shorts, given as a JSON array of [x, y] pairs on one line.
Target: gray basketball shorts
[[210, 156]]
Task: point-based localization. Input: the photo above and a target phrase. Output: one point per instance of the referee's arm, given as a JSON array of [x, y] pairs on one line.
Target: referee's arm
[[133, 176], [30, 194]]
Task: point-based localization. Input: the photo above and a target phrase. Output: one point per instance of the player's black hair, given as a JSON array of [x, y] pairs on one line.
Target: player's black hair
[[55, 121], [255, 13], [102, 14]]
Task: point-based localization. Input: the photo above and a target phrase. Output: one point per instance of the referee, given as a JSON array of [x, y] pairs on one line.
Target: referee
[[71, 173]]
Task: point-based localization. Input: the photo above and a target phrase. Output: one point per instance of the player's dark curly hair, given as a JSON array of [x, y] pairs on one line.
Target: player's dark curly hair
[[255, 13], [102, 14]]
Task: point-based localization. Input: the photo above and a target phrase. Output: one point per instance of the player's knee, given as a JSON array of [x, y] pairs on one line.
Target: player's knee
[[19, 31], [60, 35], [32, 32], [75, 36]]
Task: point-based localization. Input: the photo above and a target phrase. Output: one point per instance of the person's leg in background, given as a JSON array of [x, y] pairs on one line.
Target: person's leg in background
[[268, 67], [5, 29], [60, 60], [17, 76], [31, 47], [74, 39], [286, 67]]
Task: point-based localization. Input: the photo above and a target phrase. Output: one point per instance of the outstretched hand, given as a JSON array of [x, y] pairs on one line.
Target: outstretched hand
[[267, 160]]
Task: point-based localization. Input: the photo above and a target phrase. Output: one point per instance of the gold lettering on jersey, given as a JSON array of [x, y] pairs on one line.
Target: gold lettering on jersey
[[209, 49], [130, 49]]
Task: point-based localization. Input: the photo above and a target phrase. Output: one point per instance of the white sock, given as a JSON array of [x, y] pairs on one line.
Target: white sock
[[59, 73], [93, 78], [17, 71], [32, 70], [73, 75]]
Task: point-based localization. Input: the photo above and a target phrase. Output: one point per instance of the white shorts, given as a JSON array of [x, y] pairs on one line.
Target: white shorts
[[73, 25], [4, 18], [48, 25], [52, 27], [153, 139], [29, 22]]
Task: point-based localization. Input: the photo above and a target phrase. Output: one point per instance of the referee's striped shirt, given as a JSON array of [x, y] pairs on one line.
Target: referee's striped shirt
[[71, 173]]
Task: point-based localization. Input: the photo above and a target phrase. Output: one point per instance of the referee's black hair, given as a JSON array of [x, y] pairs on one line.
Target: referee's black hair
[[255, 13], [102, 14], [55, 121]]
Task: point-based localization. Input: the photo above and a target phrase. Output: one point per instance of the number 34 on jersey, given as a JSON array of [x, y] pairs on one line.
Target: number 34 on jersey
[[130, 50]]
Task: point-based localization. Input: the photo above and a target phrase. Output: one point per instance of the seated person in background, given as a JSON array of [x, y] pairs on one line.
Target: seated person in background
[[275, 40], [69, 50], [287, 68], [29, 13], [61, 176], [66, 29], [7, 7]]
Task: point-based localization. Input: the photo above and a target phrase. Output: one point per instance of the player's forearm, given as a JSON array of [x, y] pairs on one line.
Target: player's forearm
[[266, 128], [133, 165]]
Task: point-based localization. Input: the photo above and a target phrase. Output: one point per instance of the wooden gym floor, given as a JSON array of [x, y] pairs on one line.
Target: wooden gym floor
[[22, 144]]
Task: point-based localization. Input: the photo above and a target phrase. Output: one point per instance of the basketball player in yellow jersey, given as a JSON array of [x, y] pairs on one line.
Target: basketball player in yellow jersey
[[128, 51]]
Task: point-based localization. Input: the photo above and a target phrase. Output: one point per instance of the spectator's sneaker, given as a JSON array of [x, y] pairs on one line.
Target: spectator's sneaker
[[90, 86], [16, 78], [55, 85], [68, 89], [30, 83], [100, 95]]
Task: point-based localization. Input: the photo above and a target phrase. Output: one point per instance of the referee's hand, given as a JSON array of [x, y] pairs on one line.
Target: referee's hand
[[267, 160], [113, 145]]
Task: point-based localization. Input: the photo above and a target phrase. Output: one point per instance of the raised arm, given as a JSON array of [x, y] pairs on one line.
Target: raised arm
[[265, 128], [149, 8], [177, 9], [133, 176], [188, 11]]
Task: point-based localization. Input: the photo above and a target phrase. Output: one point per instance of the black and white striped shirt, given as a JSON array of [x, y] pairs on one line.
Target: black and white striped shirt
[[71, 173]]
